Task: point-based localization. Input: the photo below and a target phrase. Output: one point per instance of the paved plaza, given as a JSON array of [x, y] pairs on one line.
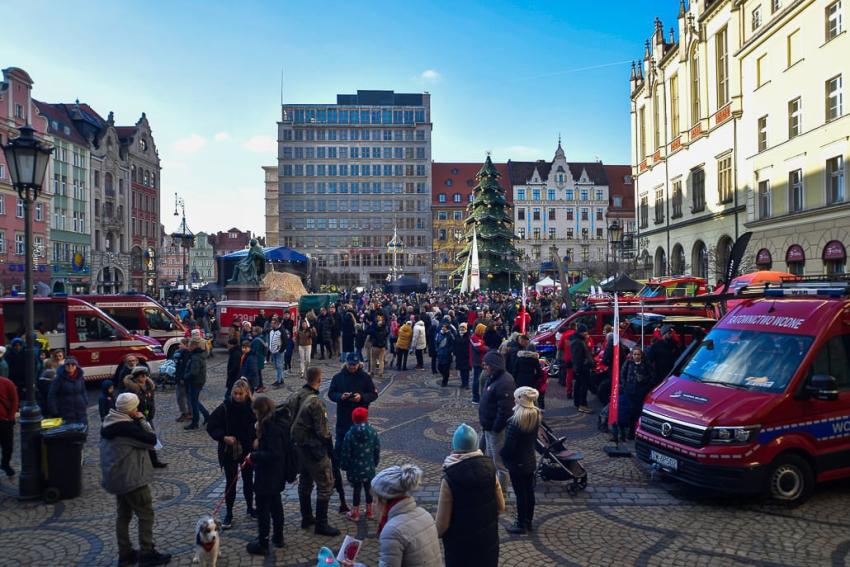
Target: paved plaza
[[625, 517]]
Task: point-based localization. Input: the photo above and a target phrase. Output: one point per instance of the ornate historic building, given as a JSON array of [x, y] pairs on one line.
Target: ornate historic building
[[272, 206]]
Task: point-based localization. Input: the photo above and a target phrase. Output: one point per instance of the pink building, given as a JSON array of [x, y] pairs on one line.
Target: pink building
[[17, 109]]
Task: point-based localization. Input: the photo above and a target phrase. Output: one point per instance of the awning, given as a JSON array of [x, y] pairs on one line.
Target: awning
[[763, 257], [795, 253], [834, 250]]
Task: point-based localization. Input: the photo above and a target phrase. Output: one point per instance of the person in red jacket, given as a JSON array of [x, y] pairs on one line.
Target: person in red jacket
[[566, 378], [8, 409]]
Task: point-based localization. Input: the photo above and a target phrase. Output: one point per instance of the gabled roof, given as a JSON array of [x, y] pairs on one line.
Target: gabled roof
[[455, 177], [58, 121], [617, 185], [125, 132], [522, 171]]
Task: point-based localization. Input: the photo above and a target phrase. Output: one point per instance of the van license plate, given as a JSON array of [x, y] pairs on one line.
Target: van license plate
[[666, 462]]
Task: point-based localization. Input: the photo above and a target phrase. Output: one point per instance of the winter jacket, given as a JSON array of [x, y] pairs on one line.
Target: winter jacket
[[492, 339], [181, 359], [527, 371], [106, 401], [564, 347], [636, 378], [304, 337], [361, 453], [248, 368], [471, 494], [348, 332], [360, 335], [355, 382], [460, 349], [419, 340], [509, 350], [409, 538], [478, 349], [663, 355], [232, 419], [268, 461], [67, 397], [518, 452], [277, 340], [196, 368], [325, 326], [8, 399], [124, 461], [234, 366], [378, 334], [145, 394], [405, 336], [580, 352], [497, 401], [258, 349], [444, 343], [16, 361]]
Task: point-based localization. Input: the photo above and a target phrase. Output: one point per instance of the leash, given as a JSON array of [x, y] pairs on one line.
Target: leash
[[231, 486]]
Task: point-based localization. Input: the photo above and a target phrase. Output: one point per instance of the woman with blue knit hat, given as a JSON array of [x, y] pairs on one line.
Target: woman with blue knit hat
[[471, 500]]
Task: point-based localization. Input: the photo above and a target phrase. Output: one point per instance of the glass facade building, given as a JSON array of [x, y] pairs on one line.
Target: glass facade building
[[351, 173]]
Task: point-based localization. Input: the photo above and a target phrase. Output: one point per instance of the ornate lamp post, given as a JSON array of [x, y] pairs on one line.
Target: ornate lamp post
[[27, 159], [615, 233], [185, 237]]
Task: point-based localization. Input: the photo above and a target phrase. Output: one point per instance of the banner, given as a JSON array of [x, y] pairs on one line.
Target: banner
[[522, 312], [733, 265], [615, 367], [464, 284], [474, 268]]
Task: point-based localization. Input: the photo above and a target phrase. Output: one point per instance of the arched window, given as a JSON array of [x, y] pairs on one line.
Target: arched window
[[133, 173], [677, 260], [660, 262], [107, 184], [699, 260], [724, 251], [695, 86]]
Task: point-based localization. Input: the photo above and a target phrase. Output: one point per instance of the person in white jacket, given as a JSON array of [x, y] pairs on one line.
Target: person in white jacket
[[419, 343]]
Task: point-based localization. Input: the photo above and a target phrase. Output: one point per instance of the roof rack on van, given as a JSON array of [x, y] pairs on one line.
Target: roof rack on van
[[680, 302]]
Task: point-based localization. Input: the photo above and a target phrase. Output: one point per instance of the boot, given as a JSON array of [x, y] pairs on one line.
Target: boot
[[227, 521], [259, 546], [277, 538], [151, 558], [369, 514], [307, 518], [322, 527], [517, 528], [354, 514], [157, 464], [128, 559]]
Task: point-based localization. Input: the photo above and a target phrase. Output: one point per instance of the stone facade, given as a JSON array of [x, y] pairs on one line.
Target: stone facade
[[272, 206], [202, 260]]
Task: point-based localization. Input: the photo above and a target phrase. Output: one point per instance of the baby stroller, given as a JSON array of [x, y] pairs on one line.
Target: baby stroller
[[559, 463], [167, 374]]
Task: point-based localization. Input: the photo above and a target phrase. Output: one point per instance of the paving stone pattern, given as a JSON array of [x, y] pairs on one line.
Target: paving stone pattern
[[625, 517]]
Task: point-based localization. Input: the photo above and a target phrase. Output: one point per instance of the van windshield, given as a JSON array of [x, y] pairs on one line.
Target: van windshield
[[750, 360]]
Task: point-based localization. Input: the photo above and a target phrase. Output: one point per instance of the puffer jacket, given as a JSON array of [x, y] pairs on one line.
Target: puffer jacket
[[444, 343], [409, 538], [420, 339], [196, 368], [361, 453], [518, 451], [145, 394], [478, 348], [405, 336], [235, 420], [526, 370], [267, 459], [67, 397], [124, 461], [461, 351]]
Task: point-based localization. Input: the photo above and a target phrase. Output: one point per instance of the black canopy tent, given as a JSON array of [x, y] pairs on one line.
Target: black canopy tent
[[622, 284], [406, 284]]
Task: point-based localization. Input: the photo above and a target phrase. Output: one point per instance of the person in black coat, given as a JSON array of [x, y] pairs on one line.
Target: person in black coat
[[248, 366], [269, 476], [492, 338], [496, 408], [348, 332], [232, 424], [67, 397], [462, 354], [234, 365], [664, 354], [636, 379], [518, 454], [582, 365]]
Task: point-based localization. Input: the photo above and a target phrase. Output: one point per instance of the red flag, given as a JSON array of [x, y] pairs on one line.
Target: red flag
[[615, 368], [522, 313]]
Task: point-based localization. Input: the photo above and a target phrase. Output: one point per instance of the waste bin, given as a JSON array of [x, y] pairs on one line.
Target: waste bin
[[64, 447]]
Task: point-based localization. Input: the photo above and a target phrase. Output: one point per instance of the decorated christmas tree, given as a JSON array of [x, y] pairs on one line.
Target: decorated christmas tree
[[491, 219]]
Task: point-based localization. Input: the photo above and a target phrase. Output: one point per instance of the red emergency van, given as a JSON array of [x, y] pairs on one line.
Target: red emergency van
[[142, 315], [762, 404], [97, 341], [229, 311]]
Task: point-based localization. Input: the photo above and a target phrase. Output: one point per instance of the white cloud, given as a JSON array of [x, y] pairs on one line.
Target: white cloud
[[430, 75], [190, 145], [221, 137], [261, 144], [519, 152]]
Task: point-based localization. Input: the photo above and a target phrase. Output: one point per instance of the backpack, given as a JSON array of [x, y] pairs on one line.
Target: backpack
[[283, 418]]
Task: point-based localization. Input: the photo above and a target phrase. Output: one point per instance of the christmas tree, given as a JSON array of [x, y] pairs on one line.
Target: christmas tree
[[490, 218]]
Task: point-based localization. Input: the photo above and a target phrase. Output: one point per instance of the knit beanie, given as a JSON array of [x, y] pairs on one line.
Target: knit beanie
[[127, 403], [495, 360], [465, 439], [360, 415], [396, 482], [526, 396]]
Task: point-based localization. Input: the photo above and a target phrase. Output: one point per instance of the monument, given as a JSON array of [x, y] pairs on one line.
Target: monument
[[245, 282]]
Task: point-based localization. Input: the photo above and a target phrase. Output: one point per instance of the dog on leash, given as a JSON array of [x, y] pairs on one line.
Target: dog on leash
[[207, 541]]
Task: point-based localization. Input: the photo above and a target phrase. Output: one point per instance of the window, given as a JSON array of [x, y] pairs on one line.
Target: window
[[551, 234], [676, 200], [775, 6], [762, 133], [764, 199], [833, 359], [39, 212], [536, 234], [656, 119], [569, 194], [599, 195], [2, 242], [761, 70], [441, 198], [795, 190], [695, 87], [520, 194], [19, 208], [599, 214], [833, 20], [835, 180], [659, 206], [584, 214], [675, 127], [457, 215], [535, 194], [644, 210], [19, 111], [698, 190], [535, 214], [721, 51], [19, 244], [2, 204], [570, 233], [456, 198], [520, 214], [795, 115], [724, 179], [756, 18], [550, 195], [618, 201], [792, 48], [551, 214], [569, 214], [521, 232], [642, 126], [833, 98], [442, 215]]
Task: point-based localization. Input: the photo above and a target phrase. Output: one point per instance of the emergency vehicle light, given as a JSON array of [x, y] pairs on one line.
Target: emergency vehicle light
[[787, 292]]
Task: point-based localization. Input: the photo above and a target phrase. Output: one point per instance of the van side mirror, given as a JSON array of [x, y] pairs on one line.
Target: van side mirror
[[823, 387], [709, 344]]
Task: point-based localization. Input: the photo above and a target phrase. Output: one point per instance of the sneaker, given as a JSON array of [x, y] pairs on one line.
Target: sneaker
[[369, 513], [585, 409], [152, 558], [354, 514], [128, 559], [227, 521], [516, 529], [257, 547], [344, 509]]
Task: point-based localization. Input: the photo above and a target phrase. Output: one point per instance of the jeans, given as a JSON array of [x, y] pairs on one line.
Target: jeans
[[7, 441], [420, 363], [269, 509], [182, 399], [523, 485], [140, 503], [195, 401], [494, 443], [476, 384], [366, 486], [580, 384], [230, 469], [445, 368], [304, 356], [464, 378], [287, 357], [401, 359], [277, 361]]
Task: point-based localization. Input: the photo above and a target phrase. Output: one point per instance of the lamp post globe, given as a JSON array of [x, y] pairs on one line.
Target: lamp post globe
[[27, 159]]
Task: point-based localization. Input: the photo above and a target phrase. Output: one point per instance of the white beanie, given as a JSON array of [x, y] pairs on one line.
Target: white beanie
[[396, 482], [127, 403]]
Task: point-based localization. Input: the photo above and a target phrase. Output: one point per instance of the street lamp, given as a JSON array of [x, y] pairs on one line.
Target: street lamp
[[615, 233], [27, 159], [185, 236]]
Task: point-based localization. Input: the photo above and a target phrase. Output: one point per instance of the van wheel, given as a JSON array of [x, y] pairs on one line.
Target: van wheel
[[603, 392], [790, 480]]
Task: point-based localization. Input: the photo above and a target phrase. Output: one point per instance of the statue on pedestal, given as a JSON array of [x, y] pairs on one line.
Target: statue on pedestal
[[250, 269]]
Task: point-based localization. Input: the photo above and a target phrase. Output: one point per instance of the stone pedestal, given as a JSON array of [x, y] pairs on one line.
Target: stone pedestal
[[243, 292]]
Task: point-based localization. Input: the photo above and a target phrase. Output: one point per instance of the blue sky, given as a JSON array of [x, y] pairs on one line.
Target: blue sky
[[505, 77]]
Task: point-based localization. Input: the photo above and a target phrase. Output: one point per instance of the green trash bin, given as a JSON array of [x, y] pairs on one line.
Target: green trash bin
[[64, 447]]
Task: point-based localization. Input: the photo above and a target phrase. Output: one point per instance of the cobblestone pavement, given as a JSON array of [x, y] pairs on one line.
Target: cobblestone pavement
[[625, 517]]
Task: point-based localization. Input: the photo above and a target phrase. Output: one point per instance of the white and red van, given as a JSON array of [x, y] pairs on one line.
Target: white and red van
[[142, 315], [98, 342], [229, 311], [762, 404]]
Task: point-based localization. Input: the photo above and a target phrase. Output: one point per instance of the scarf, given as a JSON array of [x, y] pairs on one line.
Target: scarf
[[387, 508]]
